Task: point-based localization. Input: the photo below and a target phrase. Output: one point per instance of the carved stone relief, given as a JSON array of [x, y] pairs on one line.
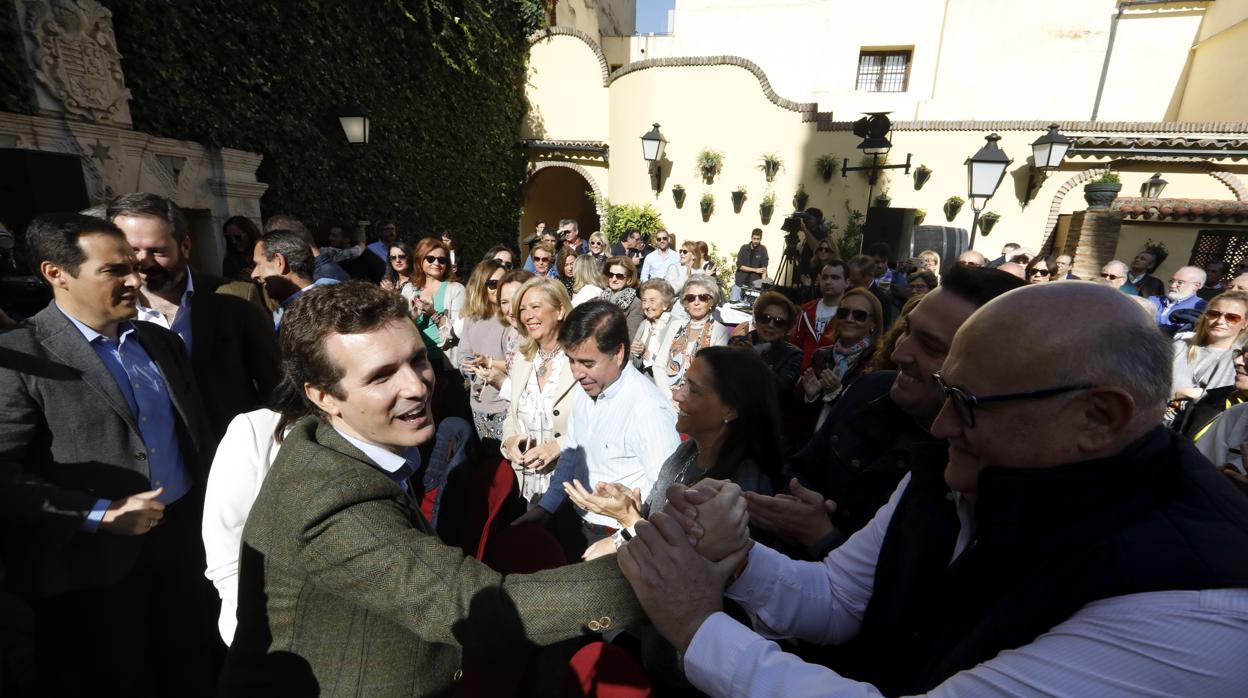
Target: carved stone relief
[[72, 53]]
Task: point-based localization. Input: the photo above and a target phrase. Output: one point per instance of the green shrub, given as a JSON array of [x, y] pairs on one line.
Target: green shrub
[[619, 218]]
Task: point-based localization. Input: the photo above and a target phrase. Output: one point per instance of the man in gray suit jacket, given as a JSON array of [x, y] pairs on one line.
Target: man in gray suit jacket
[[344, 589], [100, 476]]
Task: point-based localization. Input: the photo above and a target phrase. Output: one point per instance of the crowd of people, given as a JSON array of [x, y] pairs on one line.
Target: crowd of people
[[345, 466]]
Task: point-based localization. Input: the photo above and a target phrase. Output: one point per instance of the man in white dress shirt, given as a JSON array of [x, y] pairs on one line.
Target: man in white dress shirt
[[1090, 553], [621, 428], [658, 263]]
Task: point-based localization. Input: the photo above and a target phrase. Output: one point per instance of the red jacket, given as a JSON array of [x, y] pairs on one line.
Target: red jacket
[[804, 333]]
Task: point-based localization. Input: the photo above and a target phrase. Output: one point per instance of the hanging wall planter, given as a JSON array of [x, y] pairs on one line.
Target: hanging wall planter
[[708, 206], [678, 195], [883, 200], [800, 198], [770, 165], [987, 221], [919, 215], [952, 206], [826, 166], [1101, 192], [710, 164], [922, 173], [738, 199], [767, 207]]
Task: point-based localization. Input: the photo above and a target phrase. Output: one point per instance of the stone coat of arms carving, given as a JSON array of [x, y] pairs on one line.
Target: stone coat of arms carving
[[73, 55]]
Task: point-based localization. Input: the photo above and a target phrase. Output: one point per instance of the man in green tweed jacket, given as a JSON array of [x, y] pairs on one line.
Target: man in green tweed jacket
[[344, 589]]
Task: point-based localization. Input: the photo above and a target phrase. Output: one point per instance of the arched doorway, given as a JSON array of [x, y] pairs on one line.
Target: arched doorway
[[556, 191]]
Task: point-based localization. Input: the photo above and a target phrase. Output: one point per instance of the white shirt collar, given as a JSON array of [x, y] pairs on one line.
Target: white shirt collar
[[387, 460], [150, 314]]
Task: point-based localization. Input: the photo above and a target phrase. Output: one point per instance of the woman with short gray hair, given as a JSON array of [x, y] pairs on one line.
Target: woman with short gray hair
[[698, 296]]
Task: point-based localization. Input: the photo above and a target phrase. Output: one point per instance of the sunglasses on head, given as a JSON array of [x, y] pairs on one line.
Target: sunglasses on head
[[704, 297], [1111, 277], [491, 283], [1230, 317], [769, 319], [858, 315], [616, 275], [432, 259], [1038, 272]]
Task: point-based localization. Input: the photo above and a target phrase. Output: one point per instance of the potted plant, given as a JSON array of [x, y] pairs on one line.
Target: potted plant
[[883, 200], [708, 206], [987, 220], [919, 215], [800, 198], [678, 195], [767, 207], [738, 199], [710, 163], [826, 166], [1101, 192], [922, 173], [770, 165], [952, 205]]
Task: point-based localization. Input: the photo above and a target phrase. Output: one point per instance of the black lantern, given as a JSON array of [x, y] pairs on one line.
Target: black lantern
[[1049, 150], [652, 146], [984, 172], [1152, 188], [873, 129], [354, 123]]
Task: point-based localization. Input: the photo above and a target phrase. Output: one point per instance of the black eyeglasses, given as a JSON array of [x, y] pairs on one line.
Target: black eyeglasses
[[768, 319], [704, 297], [662, 239], [684, 251], [505, 264], [431, 259], [491, 283], [400, 257], [537, 259], [964, 401], [616, 275], [1111, 277], [858, 315], [1239, 353], [1038, 272]]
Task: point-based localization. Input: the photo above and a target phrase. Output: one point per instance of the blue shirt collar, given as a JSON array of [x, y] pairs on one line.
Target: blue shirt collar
[[124, 328]]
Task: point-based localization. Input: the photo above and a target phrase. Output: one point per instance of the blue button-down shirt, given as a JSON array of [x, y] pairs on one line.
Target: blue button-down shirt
[[398, 468], [280, 310], [143, 385]]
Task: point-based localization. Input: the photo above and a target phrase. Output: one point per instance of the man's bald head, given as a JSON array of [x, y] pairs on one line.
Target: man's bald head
[[971, 258], [1014, 268], [1022, 342]]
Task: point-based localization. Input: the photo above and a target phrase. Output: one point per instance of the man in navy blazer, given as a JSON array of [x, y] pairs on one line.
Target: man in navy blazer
[[101, 477]]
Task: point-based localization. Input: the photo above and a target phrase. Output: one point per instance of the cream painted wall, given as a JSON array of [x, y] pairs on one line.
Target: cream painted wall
[[1221, 51], [598, 18], [972, 59], [566, 98]]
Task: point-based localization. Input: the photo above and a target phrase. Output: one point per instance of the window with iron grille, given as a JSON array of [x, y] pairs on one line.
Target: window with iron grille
[[883, 71], [1225, 245]]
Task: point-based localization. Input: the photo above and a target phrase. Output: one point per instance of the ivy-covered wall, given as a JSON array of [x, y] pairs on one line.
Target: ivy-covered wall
[[442, 81]]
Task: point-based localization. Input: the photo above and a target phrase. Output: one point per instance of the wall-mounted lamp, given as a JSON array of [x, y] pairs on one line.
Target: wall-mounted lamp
[[653, 145], [1047, 153], [354, 123], [1152, 188], [984, 172]]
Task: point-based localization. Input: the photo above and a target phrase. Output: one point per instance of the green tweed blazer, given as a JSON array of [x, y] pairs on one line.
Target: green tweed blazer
[[344, 589]]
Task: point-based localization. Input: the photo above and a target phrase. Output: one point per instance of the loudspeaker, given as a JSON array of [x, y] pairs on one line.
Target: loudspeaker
[[33, 182], [891, 226]]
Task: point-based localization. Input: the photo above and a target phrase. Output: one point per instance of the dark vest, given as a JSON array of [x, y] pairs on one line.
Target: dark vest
[[1157, 517]]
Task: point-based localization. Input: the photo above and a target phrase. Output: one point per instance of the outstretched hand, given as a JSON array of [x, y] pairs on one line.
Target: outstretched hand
[[678, 588], [802, 517]]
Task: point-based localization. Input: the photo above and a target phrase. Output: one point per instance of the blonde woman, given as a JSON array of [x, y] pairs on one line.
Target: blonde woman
[[699, 296], [598, 247], [587, 279], [931, 261], [482, 340], [541, 387], [1202, 358]]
